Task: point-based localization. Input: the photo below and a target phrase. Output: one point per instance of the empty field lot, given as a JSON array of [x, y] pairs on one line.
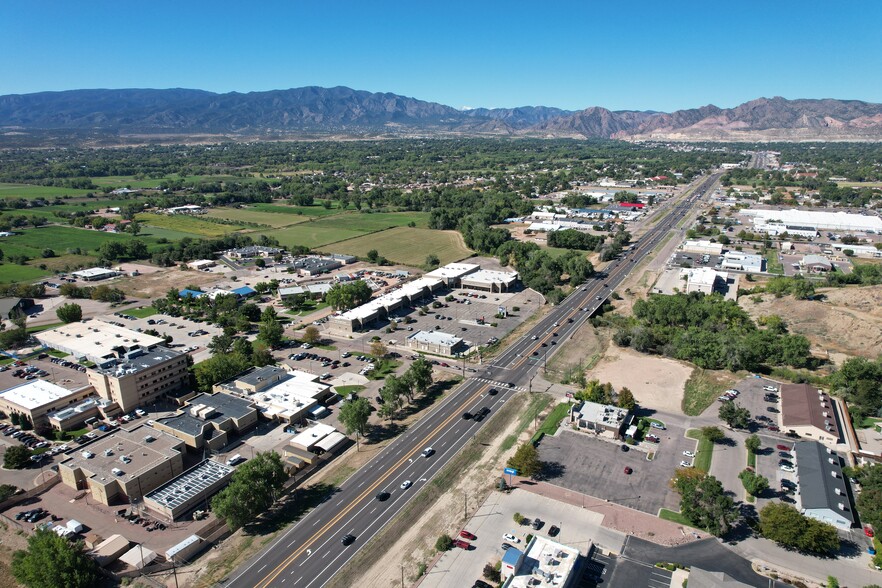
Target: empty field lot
[[407, 245], [250, 215], [340, 227], [187, 224], [28, 191]]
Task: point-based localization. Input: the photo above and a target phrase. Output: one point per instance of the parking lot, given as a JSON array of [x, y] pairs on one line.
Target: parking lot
[[751, 395], [596, 467], [577, 528], [185, 333], [70, 377]]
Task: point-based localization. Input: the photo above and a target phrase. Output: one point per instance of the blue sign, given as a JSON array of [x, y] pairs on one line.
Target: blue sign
[[511, 471]]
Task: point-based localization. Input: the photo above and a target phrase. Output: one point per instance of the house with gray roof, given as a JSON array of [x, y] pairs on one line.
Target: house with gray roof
[[823, 491]]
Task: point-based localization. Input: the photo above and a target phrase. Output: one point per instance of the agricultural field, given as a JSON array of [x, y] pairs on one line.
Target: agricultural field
[[187, 224], [250, 215], [407, 245], [341, 227], [317, 211], [30, 192]]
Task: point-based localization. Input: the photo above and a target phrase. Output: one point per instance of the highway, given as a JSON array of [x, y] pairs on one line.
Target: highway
[[310, 552]]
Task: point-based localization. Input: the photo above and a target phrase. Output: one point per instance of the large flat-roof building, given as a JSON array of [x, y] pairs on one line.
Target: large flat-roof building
[[281, 394], [94, 274], [823, 494], [141, 376], [702, 246], [124, 465], [435, 342], [809, 412], [309, 291], [489, 281], [358, 318], [743, 262], [191, 489], [96, 341], [815, 264], [817, 219], [208, 420], [705, 280], [315, 266], [37, 398], [544, 563], [76, 415], [452, 273], [600, 418]]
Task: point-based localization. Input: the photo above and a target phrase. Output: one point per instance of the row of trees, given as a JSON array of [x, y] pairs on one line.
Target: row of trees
[[402, 389], [604, 393]]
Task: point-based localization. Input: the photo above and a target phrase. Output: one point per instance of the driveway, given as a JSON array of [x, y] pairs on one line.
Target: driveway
[[593, 466]]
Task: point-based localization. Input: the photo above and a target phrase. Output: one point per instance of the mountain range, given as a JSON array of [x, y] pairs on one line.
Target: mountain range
[[178, 114]]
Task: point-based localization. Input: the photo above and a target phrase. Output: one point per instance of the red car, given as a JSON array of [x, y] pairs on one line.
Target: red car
[[782, 447], [628, 470], [467, 535], [773, 428], [868, 531], [462, 544]]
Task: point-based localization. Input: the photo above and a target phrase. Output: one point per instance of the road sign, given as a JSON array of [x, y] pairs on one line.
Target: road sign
[[511, 471]]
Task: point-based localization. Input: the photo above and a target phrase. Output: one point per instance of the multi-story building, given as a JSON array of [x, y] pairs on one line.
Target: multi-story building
[[37, 398], [140, 377]]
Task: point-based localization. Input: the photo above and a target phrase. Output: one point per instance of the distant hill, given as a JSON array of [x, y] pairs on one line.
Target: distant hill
[[340, 112]]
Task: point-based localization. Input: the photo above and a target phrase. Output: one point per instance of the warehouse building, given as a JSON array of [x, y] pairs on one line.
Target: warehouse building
[[191, 489], [252, 251], [809, 412], [125, 465], [38, 398], [816, 220], [702, 246], [94, 274], [823, 494], [315, 266], [140, 376], [435, 342], [209, 420], [201, 264], [744, 262], [96, 341], [489, 281]]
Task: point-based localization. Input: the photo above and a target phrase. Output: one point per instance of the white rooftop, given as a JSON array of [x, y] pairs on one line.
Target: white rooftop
[[92, 272], [392, 298], [491, 277], [291, 396], [453, 270], [95, 339], [34, 394], [704, 276], [436, 338], [820, 219], [312, 435], [546, 563]]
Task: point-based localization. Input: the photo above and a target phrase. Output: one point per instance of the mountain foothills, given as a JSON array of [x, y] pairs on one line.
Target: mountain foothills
[[340, 111]]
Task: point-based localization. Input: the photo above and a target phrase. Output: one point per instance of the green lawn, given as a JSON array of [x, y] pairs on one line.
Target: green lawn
[[751, 460], [702, 388], [187, 224], [142, 312], [346, 390], [10, 273], [42, 328], [675, 517], [317, 211], [31, 192], [867, 422], [149, 232], [262, 217], [552, 421], [773, 264], [407, 245], [705, 452], [308, 308]]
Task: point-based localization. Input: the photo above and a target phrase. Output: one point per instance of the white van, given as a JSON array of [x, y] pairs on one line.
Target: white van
[[235, 459]]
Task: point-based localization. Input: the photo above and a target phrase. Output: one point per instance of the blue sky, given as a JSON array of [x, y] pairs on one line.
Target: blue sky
[[621, 55]]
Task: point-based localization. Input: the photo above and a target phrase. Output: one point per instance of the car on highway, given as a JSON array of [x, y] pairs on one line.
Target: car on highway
[[689, 454], [406, 484], [467, 415], [428, 452], [383, 496], [347, 539], [492, 391], [685, 464], [511, 538]]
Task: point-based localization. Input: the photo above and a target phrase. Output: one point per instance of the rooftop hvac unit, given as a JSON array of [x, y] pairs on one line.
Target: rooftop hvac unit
[[88, 454], [830, 451], [831, 460], [117, 472], [834, 474], [838, 491], [823, 405], [841, 506], [826, 414]]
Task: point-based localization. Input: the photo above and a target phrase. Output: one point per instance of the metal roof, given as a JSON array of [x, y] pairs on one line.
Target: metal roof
[[821, 483], [190, 484]]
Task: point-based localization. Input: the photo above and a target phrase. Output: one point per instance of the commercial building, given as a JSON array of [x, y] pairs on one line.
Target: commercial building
[[434, 342], [743, 262], [304, 448], [186, 209], [94, 274], [77, 415], [452, 273], [543, 564], [124, 465], [816, 220], [489, 281], [857, 250], [311, 291], [252, 251], [284, 395], [705, 280], [315, 266], [37, 398], [815, 264], [96, 341], [140, 376], [600, 418], [201, 264], [702, 246], [809, 412], [208, 420], [191, 489], [823, 494], [408, 294]]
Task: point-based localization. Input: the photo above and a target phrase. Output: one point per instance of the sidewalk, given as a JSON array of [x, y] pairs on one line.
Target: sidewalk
[[615, 516]]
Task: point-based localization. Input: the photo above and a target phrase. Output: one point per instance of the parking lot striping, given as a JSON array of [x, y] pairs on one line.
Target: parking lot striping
[[287, 561]]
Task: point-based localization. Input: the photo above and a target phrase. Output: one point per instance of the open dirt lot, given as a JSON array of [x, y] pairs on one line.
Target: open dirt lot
[[656, 382], [157, 284], [848, 322]]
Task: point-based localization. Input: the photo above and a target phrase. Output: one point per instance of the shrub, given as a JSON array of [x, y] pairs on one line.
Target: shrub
[[444, 543]]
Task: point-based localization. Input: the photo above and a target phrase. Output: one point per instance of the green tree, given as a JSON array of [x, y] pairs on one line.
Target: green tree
[[355, 414], [221, 344], [626, 399], [252, 489], [52, 561], [270, 331], [753, 482], [378, 349], [348, 295], [260, 262], [220, 368], [373, 255], [16, 457], [420, 372], [713, 434], [526, 461], [704, 502], [753, 443], [734, 415], [432, 261], [7, 490], [69, 313], [444, 543], [784, 524], [311, 335]]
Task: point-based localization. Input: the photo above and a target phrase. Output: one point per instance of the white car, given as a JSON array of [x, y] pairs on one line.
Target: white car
[[689, 454], [140, 412], [406, 484], [510, 538], [733, 392], [685, 464], [428, 452], [656, 425], [770, 388], [788, 469]]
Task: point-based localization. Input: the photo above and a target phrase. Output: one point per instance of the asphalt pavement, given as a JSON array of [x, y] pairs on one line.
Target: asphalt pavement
[[311, 552]]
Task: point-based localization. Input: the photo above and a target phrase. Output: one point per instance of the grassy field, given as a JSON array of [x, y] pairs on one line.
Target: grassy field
[[187, 224], [31, 242], [142, 312], [148, 232], [249, 215], [310, 234], [674, 517], [702, 388], [317, 211], [31, 192], [10, 272], [773, 264], [705, 452], [408, 246], [552, 421]]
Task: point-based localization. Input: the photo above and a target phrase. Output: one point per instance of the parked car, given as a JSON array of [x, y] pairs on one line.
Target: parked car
[[656, 425], [782, 447], [652, 438], [770, 388], [462, 544], [511, 538], [689, 454], [467, 535], [553, 531], [685, 464], [788, 468], [628, 470]]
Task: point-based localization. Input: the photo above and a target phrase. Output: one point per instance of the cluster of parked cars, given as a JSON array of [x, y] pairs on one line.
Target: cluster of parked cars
[[68, 364], [730, 394], [31, 516], [27, 439]]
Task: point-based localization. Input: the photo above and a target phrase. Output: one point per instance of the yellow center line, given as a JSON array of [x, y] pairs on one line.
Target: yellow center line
[[281, 567]]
